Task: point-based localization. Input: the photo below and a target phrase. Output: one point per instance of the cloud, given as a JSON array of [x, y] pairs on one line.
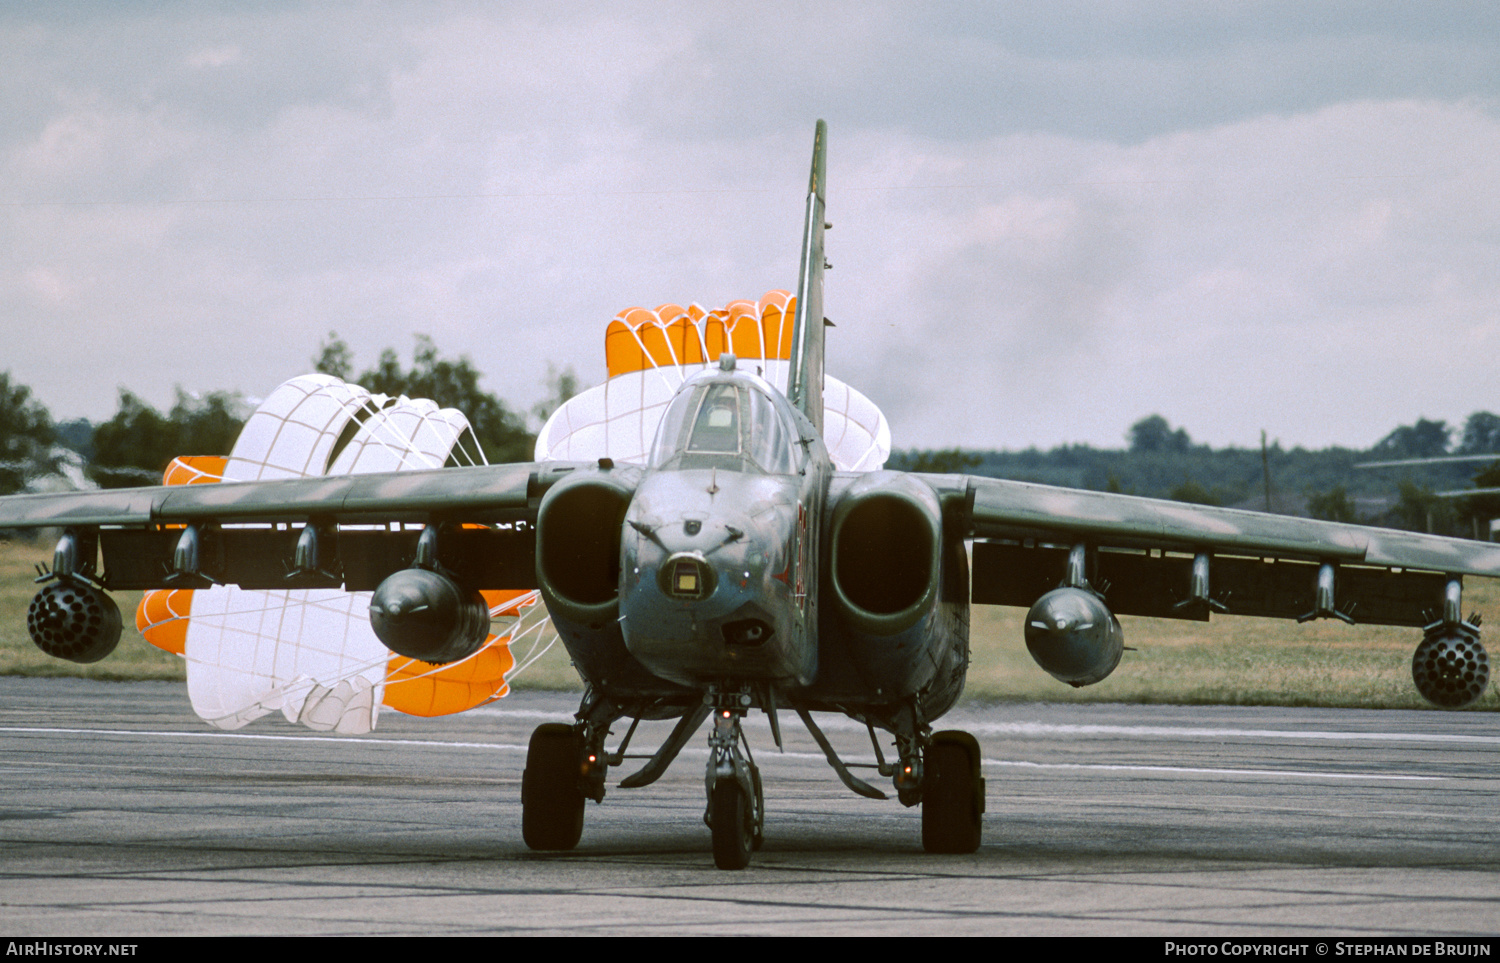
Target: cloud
[[1310, 275], [1047, 223]]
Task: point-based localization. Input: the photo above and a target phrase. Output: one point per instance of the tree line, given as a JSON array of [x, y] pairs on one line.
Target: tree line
[[1158, 460], [135, 446]]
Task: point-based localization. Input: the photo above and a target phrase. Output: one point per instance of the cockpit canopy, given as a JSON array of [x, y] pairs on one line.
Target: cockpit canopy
[[728, 423]]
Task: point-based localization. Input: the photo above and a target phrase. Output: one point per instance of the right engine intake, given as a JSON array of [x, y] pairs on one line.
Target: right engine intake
[[578, 549], [897, 619]]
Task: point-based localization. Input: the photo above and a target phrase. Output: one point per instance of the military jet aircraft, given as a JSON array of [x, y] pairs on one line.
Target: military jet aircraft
[[736, 568]]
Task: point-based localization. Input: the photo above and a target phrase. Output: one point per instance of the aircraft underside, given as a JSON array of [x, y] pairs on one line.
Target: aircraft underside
[[568, 764]]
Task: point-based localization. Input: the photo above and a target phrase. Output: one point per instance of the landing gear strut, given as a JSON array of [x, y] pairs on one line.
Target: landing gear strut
[[736, 802]]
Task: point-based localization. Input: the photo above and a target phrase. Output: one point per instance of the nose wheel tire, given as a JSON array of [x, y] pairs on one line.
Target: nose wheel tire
[[551, 795], [952, 794], [733, 825], [758, 830]]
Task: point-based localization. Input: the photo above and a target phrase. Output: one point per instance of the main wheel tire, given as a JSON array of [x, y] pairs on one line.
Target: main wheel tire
[[551, 797], [733, 827], [951, 792]]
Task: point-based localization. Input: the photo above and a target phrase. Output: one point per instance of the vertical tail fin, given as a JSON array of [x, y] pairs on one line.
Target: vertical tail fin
[[805, 375]]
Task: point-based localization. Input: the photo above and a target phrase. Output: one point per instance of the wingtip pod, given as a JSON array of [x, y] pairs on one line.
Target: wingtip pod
[[71, 619], [1450, 668]]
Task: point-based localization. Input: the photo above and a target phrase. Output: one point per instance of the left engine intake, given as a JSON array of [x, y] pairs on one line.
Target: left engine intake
[[887, 554], [73, 620], [425, 615], [897, 619]]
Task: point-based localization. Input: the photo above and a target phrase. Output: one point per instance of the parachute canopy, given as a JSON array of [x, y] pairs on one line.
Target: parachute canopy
[[651, 353]]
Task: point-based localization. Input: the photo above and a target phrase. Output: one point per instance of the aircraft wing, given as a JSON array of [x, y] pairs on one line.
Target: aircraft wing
[[247, 532], [1172, 559]]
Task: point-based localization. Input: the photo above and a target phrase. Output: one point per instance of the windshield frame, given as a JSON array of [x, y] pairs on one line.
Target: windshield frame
[[691, 436]]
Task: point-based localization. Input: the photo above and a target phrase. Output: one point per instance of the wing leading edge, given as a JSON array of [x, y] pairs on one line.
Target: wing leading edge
[[411, 496], [1011, 509]]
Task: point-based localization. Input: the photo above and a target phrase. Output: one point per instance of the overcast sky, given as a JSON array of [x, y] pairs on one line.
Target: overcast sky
[[1050, 219]]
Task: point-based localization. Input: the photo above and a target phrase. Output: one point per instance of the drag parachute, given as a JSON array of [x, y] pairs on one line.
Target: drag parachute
[[311, 653], [651, 353]]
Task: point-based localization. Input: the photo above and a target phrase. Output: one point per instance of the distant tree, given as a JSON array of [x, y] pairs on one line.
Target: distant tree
[[76, 434], [1425, 439], [945, 462], [334, 357], [26, 436], [1419, 510], [1153, 434], [562, 384], [1481, 434], [1484, 507], [453, 384], [134, 447], [1193, 493], [1332, 506]]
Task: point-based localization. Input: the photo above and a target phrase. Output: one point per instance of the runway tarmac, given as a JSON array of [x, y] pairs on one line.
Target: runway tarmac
[[121, 814]]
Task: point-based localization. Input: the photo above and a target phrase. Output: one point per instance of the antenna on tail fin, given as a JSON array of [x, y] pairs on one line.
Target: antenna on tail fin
[[805, 375]]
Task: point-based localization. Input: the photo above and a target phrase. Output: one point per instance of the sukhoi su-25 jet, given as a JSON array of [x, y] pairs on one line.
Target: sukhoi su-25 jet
[[711, 534]]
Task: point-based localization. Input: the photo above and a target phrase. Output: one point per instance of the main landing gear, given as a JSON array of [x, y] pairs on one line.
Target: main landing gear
[[952, 793], [551, 790], [566, 765]]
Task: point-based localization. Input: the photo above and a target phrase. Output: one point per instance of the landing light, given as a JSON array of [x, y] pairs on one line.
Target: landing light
[[687, 576]]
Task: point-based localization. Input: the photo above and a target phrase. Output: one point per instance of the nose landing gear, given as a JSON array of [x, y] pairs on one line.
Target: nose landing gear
[[736, 802]]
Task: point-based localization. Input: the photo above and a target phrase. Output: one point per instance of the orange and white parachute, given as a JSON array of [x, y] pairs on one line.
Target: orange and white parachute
[[651, 353], [310, 653]]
